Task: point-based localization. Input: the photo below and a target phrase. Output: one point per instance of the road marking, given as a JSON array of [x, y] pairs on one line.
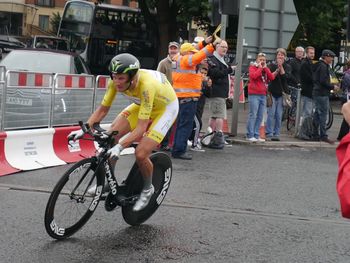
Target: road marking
[[247, 212]]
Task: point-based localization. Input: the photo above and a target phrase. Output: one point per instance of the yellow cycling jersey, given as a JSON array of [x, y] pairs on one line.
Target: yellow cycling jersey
[[153, 92]]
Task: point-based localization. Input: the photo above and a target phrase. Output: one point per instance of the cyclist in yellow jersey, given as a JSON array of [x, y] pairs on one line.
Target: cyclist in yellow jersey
[[149, 117]]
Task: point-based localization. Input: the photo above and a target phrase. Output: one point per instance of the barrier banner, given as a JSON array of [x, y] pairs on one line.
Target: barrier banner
[[5, 167], [31, 149], [78, 150]]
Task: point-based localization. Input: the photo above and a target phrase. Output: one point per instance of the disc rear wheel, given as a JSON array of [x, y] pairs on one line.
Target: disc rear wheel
[[162, 172]]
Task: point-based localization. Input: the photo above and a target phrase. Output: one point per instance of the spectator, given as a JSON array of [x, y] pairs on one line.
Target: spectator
[[345, 86], [165, 66], [307, 83], [295, 64], [277, 87], [259, 77], [187, 84], [320, 94], [205, 92], [218, 72]]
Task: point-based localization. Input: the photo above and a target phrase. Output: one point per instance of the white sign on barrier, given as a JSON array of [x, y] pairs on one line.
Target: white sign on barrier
[[31, 149]]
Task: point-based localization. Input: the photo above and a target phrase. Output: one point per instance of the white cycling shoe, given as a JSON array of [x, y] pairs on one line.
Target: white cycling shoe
[[144, 199]]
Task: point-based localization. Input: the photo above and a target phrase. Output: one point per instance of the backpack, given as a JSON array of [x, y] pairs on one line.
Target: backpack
[[306, 129], [206, 139]]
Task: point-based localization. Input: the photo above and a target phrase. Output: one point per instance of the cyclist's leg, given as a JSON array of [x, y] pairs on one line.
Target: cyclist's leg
[[123, 123], [142, 154], [162, 120]]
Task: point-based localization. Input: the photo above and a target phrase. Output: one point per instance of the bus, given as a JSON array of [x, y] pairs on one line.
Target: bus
[[98, 32]]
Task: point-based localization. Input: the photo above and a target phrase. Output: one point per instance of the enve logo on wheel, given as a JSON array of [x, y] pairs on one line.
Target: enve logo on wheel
[[96, 198], [57, 230], [165, 186]]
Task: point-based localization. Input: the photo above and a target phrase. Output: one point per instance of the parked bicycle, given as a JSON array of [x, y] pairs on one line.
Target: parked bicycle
[[291, 114], [70, 205]]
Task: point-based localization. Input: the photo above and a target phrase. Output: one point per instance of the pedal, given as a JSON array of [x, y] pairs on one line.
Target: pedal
[[126, 201], [110, 202]]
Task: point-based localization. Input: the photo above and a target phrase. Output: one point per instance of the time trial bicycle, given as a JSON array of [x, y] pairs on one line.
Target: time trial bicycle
[[70, 205]]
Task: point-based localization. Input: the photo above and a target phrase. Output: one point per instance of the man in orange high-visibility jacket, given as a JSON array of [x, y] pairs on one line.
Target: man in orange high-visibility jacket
[[187, 82]]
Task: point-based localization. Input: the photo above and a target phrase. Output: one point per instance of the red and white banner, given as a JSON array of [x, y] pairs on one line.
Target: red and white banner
[[74, 152]]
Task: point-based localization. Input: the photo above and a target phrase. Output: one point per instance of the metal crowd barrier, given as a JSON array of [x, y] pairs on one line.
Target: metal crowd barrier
[[73, 99], [27, 100], [44, 100]]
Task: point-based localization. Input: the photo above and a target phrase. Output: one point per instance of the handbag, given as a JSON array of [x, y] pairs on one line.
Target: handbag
[[343, 181], [269, 100], [229, 103], [287, 100]]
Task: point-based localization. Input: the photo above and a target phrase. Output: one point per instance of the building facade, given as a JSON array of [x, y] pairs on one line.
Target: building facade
[[33, 17]]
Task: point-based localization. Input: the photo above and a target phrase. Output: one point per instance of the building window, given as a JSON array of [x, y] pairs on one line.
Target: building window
[[44, 22], [45, 3]]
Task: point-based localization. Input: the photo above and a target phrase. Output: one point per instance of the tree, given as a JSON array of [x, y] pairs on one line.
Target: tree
[[55, 22], [320, 24], [172, 17]]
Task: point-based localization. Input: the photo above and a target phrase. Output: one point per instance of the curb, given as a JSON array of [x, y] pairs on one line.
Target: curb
[[274, 144]]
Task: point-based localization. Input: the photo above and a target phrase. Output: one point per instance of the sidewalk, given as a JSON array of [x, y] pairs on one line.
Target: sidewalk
[[287, 138]]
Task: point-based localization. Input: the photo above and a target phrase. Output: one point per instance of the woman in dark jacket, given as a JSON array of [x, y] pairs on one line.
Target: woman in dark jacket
[[277, 87]]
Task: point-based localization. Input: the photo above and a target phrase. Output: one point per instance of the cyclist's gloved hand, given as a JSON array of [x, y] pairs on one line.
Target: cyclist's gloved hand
[[75, 135], [115, 151]]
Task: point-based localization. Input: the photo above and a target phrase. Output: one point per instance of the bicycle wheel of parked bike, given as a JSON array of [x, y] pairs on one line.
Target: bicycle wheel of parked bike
[[70, 206], [162, 172], [329, 118], [291, 119]]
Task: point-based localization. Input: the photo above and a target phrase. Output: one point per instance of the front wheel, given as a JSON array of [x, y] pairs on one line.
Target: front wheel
[[162, 172], [70, 206]]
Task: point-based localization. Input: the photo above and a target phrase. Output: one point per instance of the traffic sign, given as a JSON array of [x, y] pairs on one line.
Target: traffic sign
[[268, 25]]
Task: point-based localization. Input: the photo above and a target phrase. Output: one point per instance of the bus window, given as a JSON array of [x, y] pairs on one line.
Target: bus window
[[98, 32], [79, 13]]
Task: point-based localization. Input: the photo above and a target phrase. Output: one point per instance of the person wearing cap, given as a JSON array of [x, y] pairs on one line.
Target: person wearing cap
[[187, 83], [165, 65], [321, 93]]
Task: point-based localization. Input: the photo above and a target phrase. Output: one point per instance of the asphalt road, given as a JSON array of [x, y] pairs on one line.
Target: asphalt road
[[243, 204]]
